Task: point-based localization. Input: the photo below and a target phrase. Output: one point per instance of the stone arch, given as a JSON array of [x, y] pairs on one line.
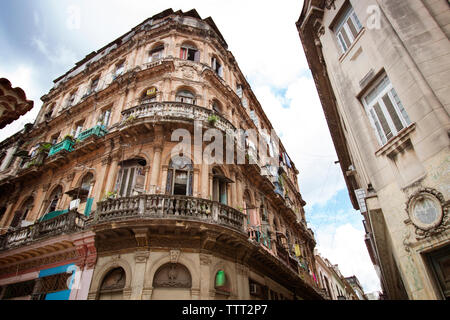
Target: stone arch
[[231, 279], [186, 94], [84, 174], [182, 259], [100, 274]]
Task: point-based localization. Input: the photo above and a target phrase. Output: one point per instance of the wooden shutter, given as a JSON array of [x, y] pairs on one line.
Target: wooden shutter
[[392, 112], [383, 121]]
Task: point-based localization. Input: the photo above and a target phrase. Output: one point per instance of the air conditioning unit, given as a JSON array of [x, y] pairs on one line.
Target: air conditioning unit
[[74, 204]]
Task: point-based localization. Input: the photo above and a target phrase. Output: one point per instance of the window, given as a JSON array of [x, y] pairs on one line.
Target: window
[[93, 86], [23, 212], [189, 53], [347, 29], [180, 177], [131, 178], [71, 99], [119, 69], [217, 67], [186, 97], [254, 117], [385, 111], [104, 118], [239, 90], [220, 183], [78, 129], [48, 114], [221, 282], [216, 107], [149, 95], [54, 198], [245, 102], [156, 54], [54, 138]]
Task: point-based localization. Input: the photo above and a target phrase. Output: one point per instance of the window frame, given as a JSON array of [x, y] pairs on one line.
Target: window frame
[[385, 88], [343, 26]]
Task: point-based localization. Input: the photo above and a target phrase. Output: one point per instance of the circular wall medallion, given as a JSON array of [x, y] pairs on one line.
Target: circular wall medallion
[[425, 211]]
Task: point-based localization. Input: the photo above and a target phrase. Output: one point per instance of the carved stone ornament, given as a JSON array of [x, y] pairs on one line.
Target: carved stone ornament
[[172, 275], [330, 3], [427, 210], [174, 255]]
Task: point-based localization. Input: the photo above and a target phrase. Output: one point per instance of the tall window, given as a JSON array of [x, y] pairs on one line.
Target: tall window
[[180, 177], [347, 29], [119, 69], [385, 111], [78, 128], [216, 106], [156, 53], [149, 95], [54, 198], [188, 52], [23, 212], [104, 117], [112, 285], [186, 97], [54, 138], [217, 67], [220, 186], [85, 187], [71, 99], [239, 90], [131, 178], [94, 85]]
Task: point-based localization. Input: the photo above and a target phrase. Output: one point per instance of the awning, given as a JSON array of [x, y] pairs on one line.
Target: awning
[[75, 193]]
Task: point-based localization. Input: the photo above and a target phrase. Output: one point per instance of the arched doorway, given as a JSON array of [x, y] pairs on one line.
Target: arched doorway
[[112, 285], [172, 281]]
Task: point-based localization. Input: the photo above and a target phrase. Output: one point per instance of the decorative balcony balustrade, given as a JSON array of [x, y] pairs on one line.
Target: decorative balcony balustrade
[[66, 145], [98, 131], [69, 222], [170, 111], [150, 206]]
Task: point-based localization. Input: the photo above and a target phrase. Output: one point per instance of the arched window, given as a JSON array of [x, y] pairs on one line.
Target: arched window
[[23, 212], [131, 177], [180, 177], [112, 285], [221, 282], [85, 187], [185, 96], [172, 275], [220, 182], [149, 95], [217, 107], [54, 198], [49, 112], [189, 52], [156, 53]]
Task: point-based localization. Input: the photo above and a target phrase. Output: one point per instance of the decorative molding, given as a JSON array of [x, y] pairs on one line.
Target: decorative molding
[[174, 256], [440, 222], [205, 259], [330, 3]]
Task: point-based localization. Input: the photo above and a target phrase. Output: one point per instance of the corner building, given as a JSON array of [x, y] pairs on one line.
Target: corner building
[[93, 197], [381, 68]]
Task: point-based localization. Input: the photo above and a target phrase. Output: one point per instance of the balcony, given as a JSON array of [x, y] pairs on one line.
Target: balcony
[[55, 225], [172, 112], [151, 206], [65, 145], [98, 131]]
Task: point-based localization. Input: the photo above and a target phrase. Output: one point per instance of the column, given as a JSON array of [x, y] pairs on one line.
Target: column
[[205, 180], [156, 167], [137, 284], [234, 197], [112, 172], [196, 192]]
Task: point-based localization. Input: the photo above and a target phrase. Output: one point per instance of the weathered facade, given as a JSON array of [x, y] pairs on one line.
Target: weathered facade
[[94, 185], [332, 282], [13, 103], [381, 68]]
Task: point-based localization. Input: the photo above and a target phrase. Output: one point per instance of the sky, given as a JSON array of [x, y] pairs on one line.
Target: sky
[[41, 40]]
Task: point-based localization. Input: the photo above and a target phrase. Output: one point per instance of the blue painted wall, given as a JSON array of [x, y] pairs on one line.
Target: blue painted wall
[[60, 295]]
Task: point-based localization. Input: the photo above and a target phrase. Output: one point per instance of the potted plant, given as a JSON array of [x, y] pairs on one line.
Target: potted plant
[[68, 137], [212, 119], [111, 195]]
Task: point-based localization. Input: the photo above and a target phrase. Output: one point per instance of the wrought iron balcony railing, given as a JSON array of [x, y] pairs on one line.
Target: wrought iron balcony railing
[[170, 111], [151, 206], [68, 222]]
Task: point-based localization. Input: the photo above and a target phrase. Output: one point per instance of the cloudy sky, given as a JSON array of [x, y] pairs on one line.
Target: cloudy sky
[[41, 40]]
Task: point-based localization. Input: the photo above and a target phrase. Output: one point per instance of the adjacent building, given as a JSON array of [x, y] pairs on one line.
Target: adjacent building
[[13, 103], [96, 205], [382, 70], [334, 285]]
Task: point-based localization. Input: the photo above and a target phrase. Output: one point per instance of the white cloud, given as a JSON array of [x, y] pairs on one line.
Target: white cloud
[[345, 247], [59, 55]]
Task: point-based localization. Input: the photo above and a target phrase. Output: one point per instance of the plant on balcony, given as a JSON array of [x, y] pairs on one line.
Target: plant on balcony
[[44, 147], [212, 119], [129, 120], [110, 195], [69, 137]]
